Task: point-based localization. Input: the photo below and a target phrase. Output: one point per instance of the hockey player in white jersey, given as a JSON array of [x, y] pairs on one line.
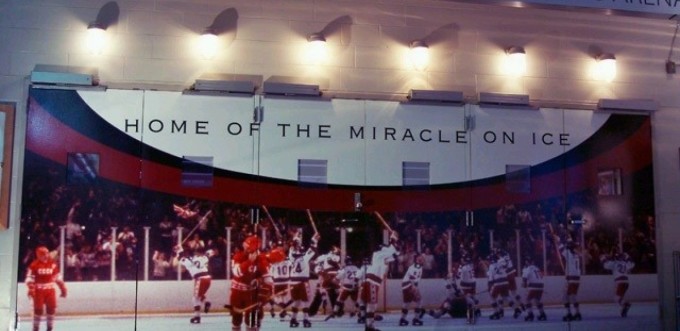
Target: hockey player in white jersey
[[572, 272], [197, 266], [498, 287], [620, 265], [374, 274], [348, 279], [505, 261], [300, 259], [532, 280], [411, 292]]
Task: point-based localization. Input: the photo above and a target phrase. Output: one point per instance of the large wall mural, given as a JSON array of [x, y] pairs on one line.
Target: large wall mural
[[289, 205]]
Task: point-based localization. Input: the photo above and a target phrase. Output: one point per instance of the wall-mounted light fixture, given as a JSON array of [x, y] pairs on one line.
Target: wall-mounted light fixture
[[208, 44], [606, 67], [317, 48], [419, 54], [96, 38], [516, 64]]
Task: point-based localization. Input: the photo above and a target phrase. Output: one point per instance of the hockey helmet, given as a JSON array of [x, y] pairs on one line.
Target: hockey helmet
[[276, 255], [251, 244]]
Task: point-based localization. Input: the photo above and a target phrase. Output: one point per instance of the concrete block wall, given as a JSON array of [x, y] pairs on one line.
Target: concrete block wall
[[152, 42]]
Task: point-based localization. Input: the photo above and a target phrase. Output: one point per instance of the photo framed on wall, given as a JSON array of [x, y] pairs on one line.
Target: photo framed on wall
[[609, 182], [82, 168], [7, 111]]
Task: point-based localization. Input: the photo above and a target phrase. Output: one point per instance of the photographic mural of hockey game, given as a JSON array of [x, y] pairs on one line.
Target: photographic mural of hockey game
[[273, 213]]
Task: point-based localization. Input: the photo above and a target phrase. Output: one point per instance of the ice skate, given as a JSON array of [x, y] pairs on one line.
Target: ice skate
[[568, 317], [624, 310], [206, 307], [294, 323], [403, 322], [195, 320], [417, 322], [577, 316], [518, 312], [471, 316], [306, 323], [495, 316], [529, 317], [378, 318], [542, 317], [370, 328], [434, 314]]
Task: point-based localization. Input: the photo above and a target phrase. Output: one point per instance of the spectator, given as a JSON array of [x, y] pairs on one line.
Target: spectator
[[428, 263], [161, 265]]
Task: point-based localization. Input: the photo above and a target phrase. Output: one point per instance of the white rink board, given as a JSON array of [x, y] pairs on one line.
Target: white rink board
[[171, 296]]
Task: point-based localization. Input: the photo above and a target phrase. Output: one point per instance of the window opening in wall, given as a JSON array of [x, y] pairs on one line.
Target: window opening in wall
[[609, 182], [82, 168], [197, 171], [415, 173], [312, 171], [518, 178]]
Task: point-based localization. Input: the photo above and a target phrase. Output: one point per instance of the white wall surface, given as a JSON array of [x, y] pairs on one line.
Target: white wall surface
[[150, 44]]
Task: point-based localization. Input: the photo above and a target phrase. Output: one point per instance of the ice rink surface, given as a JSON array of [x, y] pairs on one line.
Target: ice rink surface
[[596, 317]]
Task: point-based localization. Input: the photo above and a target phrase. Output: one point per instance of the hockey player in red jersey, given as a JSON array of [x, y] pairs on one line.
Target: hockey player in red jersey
[[42, 279], [251, 285]]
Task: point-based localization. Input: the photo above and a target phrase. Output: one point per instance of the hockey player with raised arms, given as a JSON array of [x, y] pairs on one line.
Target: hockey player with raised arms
[[197, 266], [251, 284]]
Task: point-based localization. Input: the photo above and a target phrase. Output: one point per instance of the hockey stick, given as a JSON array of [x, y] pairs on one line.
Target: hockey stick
[[269, 216], [203, 219], [383, 222], [311, 221], [557, 249], [248, 308]]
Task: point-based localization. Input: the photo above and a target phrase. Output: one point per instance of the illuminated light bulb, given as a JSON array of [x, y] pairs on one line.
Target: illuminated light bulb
[[606, 67], [419, 54], [516, 64], [208, 44], [317, 48], [96, 38]]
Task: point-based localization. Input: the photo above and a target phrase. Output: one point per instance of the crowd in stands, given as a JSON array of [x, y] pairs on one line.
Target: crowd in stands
[[88, 215]]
